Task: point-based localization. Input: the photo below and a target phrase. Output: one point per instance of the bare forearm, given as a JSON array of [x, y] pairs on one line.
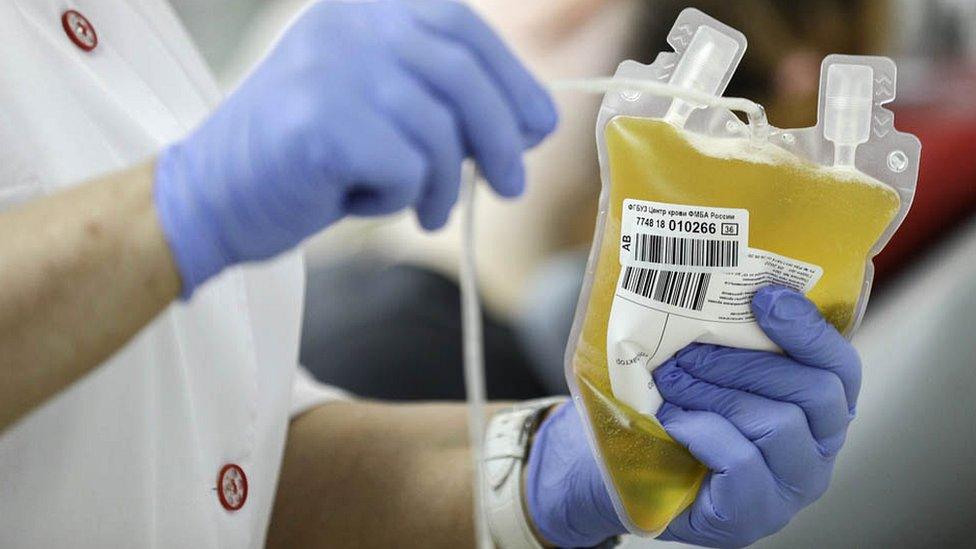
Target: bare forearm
[[375, 475], [80, 273]]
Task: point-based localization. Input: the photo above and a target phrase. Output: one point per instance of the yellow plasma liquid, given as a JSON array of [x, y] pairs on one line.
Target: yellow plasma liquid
[[797, 209]]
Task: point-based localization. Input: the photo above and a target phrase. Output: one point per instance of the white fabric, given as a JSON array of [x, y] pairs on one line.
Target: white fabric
[[129, 456], [307, 393]]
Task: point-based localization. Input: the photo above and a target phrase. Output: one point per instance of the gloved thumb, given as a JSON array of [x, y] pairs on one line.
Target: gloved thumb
[[793, 322]]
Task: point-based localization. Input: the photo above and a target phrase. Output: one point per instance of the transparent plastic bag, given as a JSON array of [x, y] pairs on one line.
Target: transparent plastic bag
[[697, 211]]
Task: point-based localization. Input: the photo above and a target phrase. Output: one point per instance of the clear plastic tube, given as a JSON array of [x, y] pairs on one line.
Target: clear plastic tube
[[755, 113], [473, 345]]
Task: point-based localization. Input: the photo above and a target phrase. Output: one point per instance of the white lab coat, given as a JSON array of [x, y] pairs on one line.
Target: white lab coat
[[130, 455]]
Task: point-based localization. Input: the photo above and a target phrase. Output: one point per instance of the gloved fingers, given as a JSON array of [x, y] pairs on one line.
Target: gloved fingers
[[819, 393], [432, 127], [382, 171], [712, 439], [455, 20], [740, 483], [795, 324], [489, 125], [777, 428]]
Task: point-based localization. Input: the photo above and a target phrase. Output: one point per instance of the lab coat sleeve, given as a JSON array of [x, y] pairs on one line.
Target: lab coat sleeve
[[307, 393]]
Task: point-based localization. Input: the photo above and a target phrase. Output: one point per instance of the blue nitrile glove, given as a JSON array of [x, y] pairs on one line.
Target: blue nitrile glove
[[567, 500], [768, 426], [362, 108]]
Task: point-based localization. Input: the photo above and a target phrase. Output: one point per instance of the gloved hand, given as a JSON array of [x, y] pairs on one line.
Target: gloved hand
[[767, 425], [564, 490], [362, 108]]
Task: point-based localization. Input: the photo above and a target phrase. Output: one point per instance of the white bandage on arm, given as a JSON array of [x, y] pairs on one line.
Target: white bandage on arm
[[506, 449]]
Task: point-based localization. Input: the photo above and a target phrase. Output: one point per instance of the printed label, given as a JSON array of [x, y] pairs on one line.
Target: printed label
[[720, 296], [732, 296], [682, 238]]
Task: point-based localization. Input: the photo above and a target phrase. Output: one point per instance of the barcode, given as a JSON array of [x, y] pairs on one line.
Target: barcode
[[685, 290], [691, 252]]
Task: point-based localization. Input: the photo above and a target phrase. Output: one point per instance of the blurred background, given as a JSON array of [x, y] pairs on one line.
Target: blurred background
[[382, 308]]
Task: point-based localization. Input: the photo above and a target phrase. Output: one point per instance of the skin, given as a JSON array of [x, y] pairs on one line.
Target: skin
[[372, 474], [61, 266], [358, 474]]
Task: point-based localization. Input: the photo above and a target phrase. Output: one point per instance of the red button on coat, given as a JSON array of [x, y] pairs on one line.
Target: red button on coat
[[232, 487], [79, 30]]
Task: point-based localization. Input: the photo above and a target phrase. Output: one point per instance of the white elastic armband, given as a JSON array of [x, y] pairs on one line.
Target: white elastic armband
[[506, 449]]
